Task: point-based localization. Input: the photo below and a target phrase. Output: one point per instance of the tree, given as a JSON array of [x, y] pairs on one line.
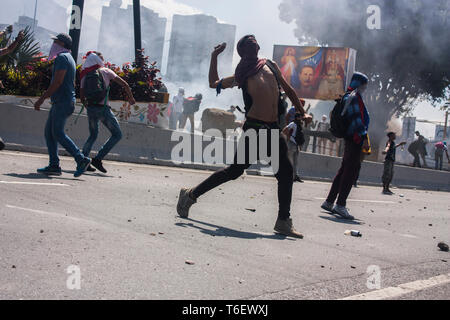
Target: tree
[[26, 51], [406, 59]]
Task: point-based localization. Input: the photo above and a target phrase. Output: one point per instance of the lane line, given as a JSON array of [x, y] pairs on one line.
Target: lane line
[[400, 290], [367, 201], [51, 214], [36, 183]]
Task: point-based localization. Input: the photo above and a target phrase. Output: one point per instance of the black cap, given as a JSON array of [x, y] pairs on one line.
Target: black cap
[[390, 134], [64, 38]]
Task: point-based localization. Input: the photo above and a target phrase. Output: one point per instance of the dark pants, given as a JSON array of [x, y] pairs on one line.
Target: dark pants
[[234, 171], [388, 173], [103, 114], [416, 159], [439, 159], [345, 178]]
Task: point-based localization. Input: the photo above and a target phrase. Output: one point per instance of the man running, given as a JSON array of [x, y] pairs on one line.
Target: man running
[[97, 105], [262, 95], [62, 94]]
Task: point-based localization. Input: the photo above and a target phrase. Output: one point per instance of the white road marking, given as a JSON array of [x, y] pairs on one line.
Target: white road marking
[[367, 201], [36, 183], [51, 214], [410, 287]]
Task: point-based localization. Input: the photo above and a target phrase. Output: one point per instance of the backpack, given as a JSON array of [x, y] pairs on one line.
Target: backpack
[[94, 88], [190, 105], [338, 123], [299, 136], [248, 101]]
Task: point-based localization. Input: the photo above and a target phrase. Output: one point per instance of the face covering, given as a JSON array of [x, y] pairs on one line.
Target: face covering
[[56, 50]]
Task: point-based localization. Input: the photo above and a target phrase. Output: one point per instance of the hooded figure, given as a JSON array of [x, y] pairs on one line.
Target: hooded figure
[[354, 108], [250, 64]]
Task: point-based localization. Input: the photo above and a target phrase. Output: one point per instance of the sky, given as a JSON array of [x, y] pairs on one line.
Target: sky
[[259, 17]]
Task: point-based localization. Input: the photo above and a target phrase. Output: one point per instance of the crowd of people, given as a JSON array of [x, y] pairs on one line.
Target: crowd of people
[[265, 94]]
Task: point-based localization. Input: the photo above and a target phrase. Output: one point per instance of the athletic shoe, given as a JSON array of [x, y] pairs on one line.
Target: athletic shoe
[[327, 206], [343, 212], [185, 202], [90, 169], [51, 171], [285, 228], [298, 179], [99, 165], [81, 167], [388, 192]]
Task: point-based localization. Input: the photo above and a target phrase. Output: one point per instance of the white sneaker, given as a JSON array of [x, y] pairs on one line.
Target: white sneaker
[[343, 212], [327, 206]]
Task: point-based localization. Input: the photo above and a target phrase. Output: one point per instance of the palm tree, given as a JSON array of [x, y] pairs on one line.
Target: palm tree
[[26, 51]]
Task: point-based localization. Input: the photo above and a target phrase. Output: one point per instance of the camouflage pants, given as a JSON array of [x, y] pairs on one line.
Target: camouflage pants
[[388, 172]]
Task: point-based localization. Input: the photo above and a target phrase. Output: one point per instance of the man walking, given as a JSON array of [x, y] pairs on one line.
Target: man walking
[[190, 106], [295, 139], [94, 93], [261, 92], [177, 109], [440, 148], [390, 151], [356, 115], [322, 142], [62, 94]]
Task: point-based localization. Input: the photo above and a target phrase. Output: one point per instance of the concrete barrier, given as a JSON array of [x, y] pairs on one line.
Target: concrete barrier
[[22, 129]]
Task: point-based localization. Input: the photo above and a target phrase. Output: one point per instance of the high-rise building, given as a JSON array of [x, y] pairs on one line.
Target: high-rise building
[[116, 39], [192, 41]]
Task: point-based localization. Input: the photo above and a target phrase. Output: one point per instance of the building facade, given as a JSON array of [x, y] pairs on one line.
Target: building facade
[[192, 40], [116, 38]]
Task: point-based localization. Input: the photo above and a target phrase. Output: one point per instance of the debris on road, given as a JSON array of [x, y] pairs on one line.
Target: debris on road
[[443, 246], [161, 232], [13, 266], [251, 210], [153, 234], [352, 267], [42, 231], [189, 262], [401, 196], [353, 233]]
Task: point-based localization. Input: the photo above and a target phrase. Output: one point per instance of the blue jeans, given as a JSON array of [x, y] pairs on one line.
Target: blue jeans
[[54, 133], [103, 114]]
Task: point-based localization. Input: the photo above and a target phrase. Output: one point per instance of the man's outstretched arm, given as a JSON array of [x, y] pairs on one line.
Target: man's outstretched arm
[[213, 73]]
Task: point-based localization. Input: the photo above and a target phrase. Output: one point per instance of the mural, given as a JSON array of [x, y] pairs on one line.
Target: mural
[[316, 72]]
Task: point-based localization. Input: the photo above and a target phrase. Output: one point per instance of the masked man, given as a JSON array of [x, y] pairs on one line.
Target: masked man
[[356, 114], [261, 97], [62, 94]]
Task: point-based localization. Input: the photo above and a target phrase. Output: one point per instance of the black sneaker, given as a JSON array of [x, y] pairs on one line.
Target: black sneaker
[[99, 165], [297, 179], [90, 169], [50, 171], [82, 167]]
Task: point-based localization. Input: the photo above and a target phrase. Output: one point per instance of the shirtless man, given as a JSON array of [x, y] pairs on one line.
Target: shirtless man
[[255, 77]]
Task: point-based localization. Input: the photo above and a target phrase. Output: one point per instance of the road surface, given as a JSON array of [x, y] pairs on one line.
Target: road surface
[[117, 236]]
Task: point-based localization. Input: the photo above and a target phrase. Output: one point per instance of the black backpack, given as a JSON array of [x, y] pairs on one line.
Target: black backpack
[[338, 123], [299, 136], [191, 105], [94, 88]]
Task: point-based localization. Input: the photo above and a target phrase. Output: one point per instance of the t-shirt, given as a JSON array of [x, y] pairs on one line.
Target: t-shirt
[[107, 74], [178, 104], [323, 126], [390, 155], [293, 126], [66, 92]]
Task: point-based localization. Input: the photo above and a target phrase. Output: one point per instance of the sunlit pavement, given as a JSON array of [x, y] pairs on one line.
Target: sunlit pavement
[[120, 233]]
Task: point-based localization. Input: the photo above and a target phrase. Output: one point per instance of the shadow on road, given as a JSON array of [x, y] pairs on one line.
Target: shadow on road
[[37, 176], [340, 220], [227, 232]]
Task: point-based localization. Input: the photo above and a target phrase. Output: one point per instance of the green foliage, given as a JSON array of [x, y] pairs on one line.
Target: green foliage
[[27, 51]]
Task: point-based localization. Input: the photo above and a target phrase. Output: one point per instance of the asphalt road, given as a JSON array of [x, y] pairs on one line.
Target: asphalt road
[[120, 233]]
